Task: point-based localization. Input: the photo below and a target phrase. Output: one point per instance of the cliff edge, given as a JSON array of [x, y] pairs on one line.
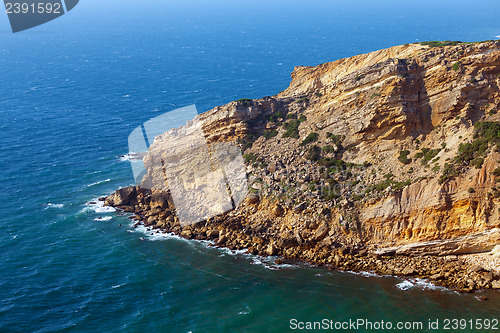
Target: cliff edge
[[393, 153]]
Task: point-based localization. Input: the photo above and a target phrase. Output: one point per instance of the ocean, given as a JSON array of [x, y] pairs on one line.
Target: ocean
[[72, 90]]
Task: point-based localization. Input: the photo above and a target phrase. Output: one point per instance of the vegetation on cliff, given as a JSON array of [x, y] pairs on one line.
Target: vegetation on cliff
[[395, 151]]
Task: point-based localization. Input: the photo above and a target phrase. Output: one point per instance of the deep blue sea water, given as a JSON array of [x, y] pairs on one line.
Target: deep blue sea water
[[71, 92]]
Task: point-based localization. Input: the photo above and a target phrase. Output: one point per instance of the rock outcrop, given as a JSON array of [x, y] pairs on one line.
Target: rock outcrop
[[395, 152]]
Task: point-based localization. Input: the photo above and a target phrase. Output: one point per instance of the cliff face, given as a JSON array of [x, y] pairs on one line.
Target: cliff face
[[395, 150]]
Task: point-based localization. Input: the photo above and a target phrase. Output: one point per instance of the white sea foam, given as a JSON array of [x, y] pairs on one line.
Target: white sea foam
[[152, 235], [99, 182], [268, 262], [101, 210], [367, 274], [405, 285], [131, 156], [245, 312], [51, 205], [104, 219], [98, 207], [418, 283], [364, 274], [423, 284]]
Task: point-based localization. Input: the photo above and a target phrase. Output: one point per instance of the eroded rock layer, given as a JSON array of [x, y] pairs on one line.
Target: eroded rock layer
[[391, 152]]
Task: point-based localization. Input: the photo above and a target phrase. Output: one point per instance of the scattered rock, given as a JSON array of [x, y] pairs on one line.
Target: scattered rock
[[436, 277], [408, 270], [277, 210], [121, 197], [252, 198], [271, 250], [300, 207], [321, 232]]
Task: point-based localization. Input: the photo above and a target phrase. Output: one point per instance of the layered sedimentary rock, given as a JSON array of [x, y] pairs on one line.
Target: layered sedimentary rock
[[394, 152]]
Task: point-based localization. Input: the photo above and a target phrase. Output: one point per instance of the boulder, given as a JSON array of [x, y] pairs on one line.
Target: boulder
[[271, 250], [277, 210], [213, 233], [159, 199], [321, 232], [300, 207], [496, 252], [252, 198], [121, 197], [408, 270]]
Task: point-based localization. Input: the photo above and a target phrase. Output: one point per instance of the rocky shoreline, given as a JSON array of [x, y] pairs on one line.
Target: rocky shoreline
[[386, 162], [234, 232]]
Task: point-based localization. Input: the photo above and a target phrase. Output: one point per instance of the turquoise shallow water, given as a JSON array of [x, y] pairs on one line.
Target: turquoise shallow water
[[70, 94]]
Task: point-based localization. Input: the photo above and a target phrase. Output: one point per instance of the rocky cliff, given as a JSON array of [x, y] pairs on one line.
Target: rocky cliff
[[390, 152]]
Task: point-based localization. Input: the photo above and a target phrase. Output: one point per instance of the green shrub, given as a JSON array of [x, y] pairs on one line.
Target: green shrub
[[456, 66], [440, 44], [245, 102], [397, 186], [313, 153], [312, 137], [250, 158], [471, 190], [496, 172], [489, 130], [292, 129], [330, 191], [302, 118], [270, 134], [291, 116], [449, 172], [477, 162], [428, 154], [328, 149], [403, 157], [247, 141], [336, 139], [275, 117], [330, 162], [400, 185], [357, 197]]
